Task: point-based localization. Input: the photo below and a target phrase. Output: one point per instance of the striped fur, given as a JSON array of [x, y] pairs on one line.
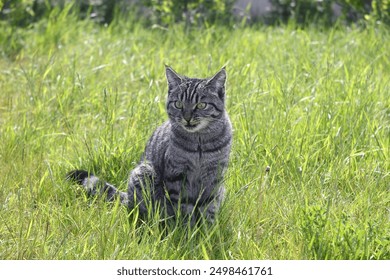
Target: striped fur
[[185, 159]]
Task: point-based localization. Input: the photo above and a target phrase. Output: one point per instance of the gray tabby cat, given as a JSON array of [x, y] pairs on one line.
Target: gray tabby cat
[[182, 168]]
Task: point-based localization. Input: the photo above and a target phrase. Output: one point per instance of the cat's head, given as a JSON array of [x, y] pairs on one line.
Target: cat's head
[[195, 103]]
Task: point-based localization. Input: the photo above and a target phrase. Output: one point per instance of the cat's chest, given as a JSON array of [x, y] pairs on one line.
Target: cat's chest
[[194, 167], [190, 160]]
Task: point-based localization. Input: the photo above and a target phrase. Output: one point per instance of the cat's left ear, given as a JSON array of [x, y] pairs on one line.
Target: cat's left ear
[[218, 82], [173, 78]]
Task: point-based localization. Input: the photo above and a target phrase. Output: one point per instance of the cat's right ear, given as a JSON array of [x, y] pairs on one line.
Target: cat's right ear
[[173, 78]]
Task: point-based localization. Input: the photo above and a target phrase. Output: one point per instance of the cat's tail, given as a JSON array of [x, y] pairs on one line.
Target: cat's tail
[[94, 186]]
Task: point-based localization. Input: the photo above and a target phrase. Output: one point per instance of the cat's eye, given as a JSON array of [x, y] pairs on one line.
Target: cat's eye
[[201, 105], [179, 104]]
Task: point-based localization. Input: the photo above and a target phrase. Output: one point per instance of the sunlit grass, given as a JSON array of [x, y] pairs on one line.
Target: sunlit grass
[[311, 105]]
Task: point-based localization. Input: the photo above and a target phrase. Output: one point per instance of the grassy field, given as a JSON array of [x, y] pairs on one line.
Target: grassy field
[[312, 105]]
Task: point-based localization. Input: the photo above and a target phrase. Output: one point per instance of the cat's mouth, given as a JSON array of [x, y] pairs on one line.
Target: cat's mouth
[[193, 126], [190, 127]]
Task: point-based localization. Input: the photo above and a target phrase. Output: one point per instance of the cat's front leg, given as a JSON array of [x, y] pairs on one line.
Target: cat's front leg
[[180, 198], [210, 209]]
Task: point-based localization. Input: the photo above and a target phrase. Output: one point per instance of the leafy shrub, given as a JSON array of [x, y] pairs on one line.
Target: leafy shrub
[[18, 12], [302, 11], [373, 11], [190, 11], [380, 11], [194, 12], [308, 11], [24, 12]]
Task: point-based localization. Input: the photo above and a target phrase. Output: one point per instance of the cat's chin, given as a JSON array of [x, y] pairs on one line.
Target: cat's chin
[[193, 128]]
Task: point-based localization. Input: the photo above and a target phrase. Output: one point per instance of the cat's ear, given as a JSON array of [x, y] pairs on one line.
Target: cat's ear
[[173, 78], [218, 82]]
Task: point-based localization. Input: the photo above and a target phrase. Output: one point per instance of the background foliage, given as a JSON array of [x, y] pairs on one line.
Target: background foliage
[[190, 11], [24, 12]]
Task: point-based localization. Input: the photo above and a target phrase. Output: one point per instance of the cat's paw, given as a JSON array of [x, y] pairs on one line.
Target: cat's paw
[[78, 176]]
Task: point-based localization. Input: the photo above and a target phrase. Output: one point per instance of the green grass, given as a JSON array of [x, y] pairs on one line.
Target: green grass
[[312, 105]]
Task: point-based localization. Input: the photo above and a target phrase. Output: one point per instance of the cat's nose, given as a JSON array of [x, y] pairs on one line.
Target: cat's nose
[[187, 117]]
